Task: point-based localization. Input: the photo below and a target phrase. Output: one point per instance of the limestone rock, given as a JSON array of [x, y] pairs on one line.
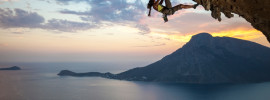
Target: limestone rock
[[256, 12]]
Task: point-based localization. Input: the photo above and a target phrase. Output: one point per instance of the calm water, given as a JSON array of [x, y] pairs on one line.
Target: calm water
[[38, 81]]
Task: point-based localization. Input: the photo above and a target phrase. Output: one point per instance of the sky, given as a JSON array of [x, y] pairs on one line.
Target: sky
[[105, 30]]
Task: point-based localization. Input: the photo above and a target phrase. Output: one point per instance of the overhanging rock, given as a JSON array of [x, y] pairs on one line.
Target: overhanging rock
[[256, 12]]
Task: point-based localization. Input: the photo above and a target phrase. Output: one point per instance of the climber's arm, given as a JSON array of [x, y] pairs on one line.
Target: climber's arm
[[161, 2], [189, 6], [156, 3], [149, 13], [186, 6]]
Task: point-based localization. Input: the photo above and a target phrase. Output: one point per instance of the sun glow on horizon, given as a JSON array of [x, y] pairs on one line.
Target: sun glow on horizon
[[240, 33]]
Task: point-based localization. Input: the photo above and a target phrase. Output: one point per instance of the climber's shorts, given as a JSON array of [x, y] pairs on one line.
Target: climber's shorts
[[171, 11]]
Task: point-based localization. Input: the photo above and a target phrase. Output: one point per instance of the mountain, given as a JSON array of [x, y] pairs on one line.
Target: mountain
[[206, 59], [11, 68]]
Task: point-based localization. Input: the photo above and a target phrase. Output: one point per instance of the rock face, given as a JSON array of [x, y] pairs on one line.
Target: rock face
[[256, 12], [11, 68], [206, 59]]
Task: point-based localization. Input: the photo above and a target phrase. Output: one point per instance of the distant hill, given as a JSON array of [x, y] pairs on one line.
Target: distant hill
[[206, 59], [11, 68]]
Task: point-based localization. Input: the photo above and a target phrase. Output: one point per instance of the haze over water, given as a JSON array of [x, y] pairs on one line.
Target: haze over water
[[39, 81]]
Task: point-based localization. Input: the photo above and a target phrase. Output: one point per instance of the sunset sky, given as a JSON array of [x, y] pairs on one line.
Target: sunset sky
[[104, 30]]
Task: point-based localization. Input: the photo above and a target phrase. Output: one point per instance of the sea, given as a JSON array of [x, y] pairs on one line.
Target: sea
[[39, 81]]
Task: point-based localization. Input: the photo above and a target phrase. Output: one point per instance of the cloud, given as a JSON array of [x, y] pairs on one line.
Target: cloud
[[48, 1], [8, 0], [66, 11], [115, 11], [190, 23], [67, 26], [109, 10], [240, 33], [130, 13], [119, 12], [2, 1], [143, 28], [19, 18], [182, 28], [155, 45]]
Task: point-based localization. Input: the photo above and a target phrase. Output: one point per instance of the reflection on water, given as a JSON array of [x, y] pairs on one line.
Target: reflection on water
[[37, 82]]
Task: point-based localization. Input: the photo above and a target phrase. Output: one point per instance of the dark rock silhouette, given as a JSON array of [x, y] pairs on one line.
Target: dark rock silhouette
[[88, 74], [204, 59], [256, 12], [11, 68]]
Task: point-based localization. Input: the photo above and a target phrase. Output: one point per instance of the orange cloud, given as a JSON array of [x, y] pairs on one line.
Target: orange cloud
[[240, 33], [246, 34]]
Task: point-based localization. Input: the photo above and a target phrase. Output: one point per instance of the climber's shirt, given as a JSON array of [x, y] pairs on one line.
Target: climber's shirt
[[160, 8]]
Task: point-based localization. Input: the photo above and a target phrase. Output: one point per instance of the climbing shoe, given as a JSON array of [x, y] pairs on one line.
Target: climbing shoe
[[195, 6], [165, 18]]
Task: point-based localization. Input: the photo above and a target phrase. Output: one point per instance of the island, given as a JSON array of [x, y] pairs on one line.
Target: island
[[11, 68], [88, 74]]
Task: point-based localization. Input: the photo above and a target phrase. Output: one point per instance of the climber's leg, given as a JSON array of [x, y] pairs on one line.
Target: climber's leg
[[181, 6], [168, 3], [186, 6], [177, 7]]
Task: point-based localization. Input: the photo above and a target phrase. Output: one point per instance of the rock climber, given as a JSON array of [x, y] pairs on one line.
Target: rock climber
[[168, 9]]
